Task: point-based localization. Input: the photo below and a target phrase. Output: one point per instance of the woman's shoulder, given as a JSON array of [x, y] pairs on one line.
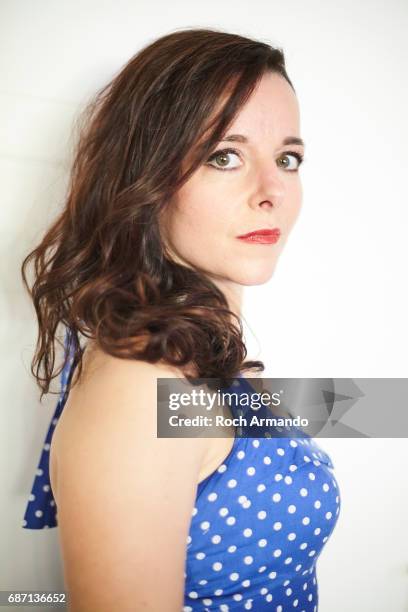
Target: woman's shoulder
[[111, 398]]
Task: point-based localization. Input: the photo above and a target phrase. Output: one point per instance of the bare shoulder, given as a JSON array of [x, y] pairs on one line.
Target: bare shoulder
[[118, 488], [118, 393]]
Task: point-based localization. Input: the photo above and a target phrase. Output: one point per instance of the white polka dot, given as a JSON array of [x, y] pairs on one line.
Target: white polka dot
[[247, 532], [212, 497], [46, 446], [312, 553], [278, 477], [291, 536], [276, 497], [242, 499], [234, 576], [277, 526], [288, 479], [260, 488], [291, 508], [217, 566], [303, 546], [293, 443], [272, 575], [306, 520], [248, 559], [207, 602], [193, 594], [222, 468], [251, 471], [310, 597], [39, 472], [232, 483], [205, 525], [325, 487], [188, 539], [295, 602], [240, 454], [216, 539], [38, 513], [288, 560], [32, 497], [194, 512], [218, 592], [317, 531], [46, 487], [279, 609], [200, 555], [288, 591], [232, 548], [269, 597], [255, 443], [231, 520], [328, 515], [292, 468], [317, 504], [262, 569], [277, 552], [246, 583], [280, 451], [223, 511], [267, 460], [303, 492], [312, 476], [262, 542], [261, 514]]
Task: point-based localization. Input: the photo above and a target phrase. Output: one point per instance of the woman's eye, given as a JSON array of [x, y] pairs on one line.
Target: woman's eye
[[223, 159], [291, 161]]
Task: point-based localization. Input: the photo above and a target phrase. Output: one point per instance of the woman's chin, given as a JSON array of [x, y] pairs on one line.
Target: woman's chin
[[258, 276]]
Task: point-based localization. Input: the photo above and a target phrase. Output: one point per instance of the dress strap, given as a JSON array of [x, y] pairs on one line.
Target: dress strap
[[41, 508]]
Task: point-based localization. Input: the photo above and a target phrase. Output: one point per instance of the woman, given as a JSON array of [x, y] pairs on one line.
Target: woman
[[184, 189]]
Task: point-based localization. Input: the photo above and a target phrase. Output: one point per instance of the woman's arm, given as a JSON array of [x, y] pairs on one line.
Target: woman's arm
[[124, 496]]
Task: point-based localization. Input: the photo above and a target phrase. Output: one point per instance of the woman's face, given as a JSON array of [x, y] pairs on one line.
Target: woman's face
[[256, 186]]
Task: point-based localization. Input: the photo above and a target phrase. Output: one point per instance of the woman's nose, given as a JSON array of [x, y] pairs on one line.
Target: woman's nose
[[270, 189]]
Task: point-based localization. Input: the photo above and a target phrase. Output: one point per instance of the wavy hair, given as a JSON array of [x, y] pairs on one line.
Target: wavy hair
[[102, 269]]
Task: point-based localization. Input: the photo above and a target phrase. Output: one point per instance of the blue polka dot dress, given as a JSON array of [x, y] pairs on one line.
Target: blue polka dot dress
[[259, 522], [258, 526]]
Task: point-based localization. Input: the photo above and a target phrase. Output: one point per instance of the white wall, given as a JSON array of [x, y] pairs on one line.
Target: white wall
[[336, 304]]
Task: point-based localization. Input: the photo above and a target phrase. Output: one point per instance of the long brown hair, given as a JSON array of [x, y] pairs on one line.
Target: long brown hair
[[102, 269]]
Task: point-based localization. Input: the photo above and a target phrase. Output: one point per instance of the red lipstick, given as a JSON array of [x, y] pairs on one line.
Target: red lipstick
[[262, 236]]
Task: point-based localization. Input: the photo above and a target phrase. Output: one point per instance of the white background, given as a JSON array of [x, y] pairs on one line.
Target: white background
[[335, 306]]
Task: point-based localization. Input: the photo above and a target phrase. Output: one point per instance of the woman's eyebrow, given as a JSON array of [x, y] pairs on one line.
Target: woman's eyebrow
[[241, 138]]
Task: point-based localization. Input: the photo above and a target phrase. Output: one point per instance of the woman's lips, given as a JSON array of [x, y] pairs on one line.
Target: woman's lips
[[263, 236]]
